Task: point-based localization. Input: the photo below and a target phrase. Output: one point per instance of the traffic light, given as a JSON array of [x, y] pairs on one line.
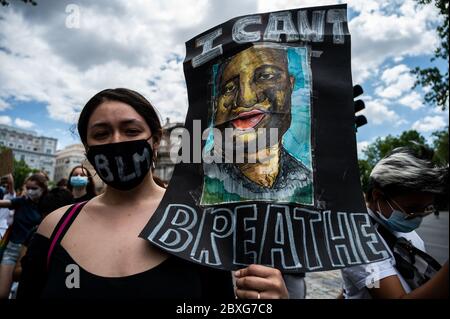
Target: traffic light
[[359, 105]]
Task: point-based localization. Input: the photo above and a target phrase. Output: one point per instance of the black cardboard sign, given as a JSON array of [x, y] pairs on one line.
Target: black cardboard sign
[[302, 209]]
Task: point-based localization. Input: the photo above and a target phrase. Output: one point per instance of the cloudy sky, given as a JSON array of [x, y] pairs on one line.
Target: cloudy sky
[[51, 62]]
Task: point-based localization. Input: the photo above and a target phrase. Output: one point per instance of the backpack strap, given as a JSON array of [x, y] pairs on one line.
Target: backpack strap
[[62, 227], [405, 266], [414, 251], [390, 239]]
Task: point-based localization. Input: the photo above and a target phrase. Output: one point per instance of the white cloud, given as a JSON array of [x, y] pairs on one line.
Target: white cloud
[[397, 83], [391, 75], [140, 45], [63, 68], [3, 105], [397, 80], [378, 113], [382, 30], [270, 5], [439, 111], [430, 124], [23, 123], [4, 119], [385, 30], [412, 100]]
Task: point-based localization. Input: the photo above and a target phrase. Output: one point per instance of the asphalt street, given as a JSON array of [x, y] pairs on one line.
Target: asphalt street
[[434, 232]]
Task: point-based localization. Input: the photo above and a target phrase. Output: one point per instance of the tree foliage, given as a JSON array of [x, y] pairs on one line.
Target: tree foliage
[[383, 146], [21, 172], [441, 147], [432, 77]]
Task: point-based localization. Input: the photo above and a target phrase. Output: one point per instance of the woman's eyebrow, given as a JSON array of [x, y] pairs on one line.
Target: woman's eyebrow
[[99, 124], [122, 123], [130, 121]]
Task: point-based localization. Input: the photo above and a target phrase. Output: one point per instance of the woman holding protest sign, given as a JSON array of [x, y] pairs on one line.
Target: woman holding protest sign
[[99, 239]]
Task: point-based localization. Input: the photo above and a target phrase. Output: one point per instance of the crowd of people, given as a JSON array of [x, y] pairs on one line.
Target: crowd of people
[[22, 210], [45, 231]]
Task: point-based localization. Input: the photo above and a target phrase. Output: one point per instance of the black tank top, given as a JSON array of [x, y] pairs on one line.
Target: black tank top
[[50, 272]]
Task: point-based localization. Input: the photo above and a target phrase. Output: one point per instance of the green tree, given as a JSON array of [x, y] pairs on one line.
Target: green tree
[[432, 77], [21, 172], [383, 146], [441, 147]]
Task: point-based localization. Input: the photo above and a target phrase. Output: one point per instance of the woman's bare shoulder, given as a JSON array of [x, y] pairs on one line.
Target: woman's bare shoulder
[[50, 221]]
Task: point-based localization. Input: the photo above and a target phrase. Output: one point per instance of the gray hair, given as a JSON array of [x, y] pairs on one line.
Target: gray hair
[[402, 171]]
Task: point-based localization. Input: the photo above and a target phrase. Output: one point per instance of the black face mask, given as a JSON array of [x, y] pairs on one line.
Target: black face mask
[[123, 165]]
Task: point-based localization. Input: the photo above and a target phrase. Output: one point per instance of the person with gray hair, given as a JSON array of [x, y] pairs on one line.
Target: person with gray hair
[[403, 188], [403, 172]]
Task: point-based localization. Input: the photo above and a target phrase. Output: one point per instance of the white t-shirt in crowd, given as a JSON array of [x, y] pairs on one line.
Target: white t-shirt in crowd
[[6, 215], [358, 279]]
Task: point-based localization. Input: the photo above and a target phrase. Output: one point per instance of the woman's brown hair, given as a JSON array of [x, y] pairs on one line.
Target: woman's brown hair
[[40, 180], [137, 101]]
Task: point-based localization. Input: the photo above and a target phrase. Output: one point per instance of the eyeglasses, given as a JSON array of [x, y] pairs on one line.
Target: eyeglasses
[[430, 209]]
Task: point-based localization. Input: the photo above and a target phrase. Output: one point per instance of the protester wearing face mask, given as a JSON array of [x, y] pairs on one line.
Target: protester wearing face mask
[[26, 217], [402, 191], [121, 131], [81, 184]]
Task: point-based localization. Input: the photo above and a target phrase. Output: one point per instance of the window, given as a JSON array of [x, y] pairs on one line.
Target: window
[[48, 151]]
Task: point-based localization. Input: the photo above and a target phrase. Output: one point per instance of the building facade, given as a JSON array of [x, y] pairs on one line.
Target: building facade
[[164, 165], [71, 156], [68, 158], [38, 152]]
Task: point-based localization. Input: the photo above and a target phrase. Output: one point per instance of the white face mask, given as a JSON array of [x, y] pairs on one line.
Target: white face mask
[[34, 194]]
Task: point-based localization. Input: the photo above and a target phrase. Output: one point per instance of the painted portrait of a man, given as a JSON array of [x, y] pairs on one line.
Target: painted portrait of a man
[[262, 88]]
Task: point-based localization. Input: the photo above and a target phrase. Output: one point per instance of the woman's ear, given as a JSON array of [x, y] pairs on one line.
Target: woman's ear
[[155, 147]]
